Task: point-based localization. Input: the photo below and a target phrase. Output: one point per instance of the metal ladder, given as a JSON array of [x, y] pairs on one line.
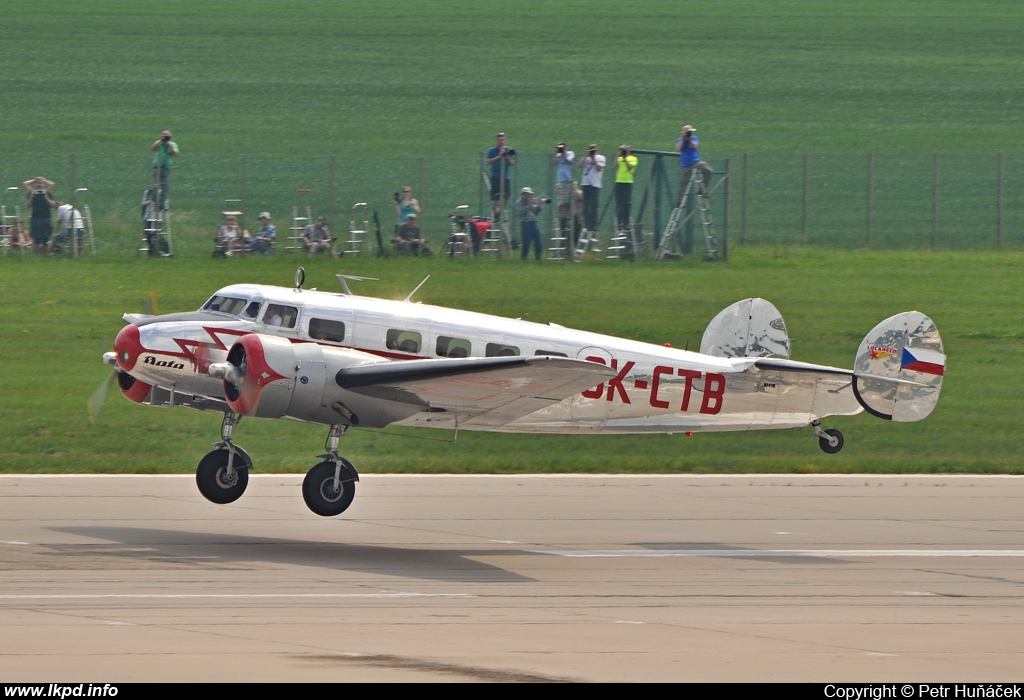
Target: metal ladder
[[460, 239], [676, 221], [303, 205], [157, 222], [586, 245], [358, 238], [11, 225]]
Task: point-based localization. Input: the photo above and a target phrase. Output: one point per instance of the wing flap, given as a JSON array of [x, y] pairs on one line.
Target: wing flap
[[506, 388]]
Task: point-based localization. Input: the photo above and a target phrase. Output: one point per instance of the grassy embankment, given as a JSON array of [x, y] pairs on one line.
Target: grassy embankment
[[60, 316]]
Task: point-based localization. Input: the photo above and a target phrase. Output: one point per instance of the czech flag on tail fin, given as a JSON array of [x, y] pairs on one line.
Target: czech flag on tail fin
[[921, 360]]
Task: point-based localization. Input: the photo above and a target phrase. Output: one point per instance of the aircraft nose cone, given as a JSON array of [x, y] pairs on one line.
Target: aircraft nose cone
[[128, 347]]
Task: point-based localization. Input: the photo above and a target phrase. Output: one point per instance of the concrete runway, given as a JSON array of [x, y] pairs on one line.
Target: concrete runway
[[579, 578]]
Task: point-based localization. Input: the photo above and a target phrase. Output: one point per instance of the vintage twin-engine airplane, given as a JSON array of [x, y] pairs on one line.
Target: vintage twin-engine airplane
[[343, 360]]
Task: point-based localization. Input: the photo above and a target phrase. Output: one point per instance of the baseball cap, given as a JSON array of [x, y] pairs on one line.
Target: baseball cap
[[264, 215], [527, 190]]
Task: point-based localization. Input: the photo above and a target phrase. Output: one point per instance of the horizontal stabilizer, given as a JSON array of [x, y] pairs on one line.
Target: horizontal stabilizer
[[749, 328]]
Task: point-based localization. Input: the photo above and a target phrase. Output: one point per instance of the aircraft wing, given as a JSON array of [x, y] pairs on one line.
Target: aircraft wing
[[482, 391]]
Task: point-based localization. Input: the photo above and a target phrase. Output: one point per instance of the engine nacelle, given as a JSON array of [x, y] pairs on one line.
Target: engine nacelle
[[270, 377], [133, 389]]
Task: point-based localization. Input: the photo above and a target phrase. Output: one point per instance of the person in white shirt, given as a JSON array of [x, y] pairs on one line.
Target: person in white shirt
[[70, 220], [592, 166]]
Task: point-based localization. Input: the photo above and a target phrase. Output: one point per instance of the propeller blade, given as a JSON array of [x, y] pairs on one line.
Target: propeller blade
[[99, 396]]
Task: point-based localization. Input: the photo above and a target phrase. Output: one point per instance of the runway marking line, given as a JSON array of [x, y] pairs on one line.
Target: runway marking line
[[764, 553], [220, 596]]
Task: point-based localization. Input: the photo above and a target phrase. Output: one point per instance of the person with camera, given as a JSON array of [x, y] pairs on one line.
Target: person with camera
[[527, 208], [40, 203], [405, 205], [166, 151], [689, 160], [562, 161], [502, 159], [592, 166], [625, 170]]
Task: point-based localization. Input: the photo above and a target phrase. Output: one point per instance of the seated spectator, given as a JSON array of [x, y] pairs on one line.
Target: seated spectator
[[317, 237], [231, 239], [409, 238], [266, 236]]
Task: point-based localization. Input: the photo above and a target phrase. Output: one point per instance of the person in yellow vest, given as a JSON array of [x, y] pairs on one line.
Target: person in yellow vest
[[625, 170]]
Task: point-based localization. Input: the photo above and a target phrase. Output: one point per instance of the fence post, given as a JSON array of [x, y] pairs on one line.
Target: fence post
[[935, 203], [245, 186], [725, 225], [871, 194], [72, 237], [420, 189], [333, 209], [999, 205], [743, 222], [807, 187]]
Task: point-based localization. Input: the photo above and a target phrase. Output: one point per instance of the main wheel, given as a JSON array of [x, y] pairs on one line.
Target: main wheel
[[824, 443], [320, 494], [213, 479]]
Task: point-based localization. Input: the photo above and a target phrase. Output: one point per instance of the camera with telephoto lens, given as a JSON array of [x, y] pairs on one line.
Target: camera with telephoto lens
[[398, 197], [510, 152], [545, 200], [165, 138]]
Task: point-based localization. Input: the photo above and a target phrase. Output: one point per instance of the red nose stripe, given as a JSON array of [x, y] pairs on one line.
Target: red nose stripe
[[128, 346]]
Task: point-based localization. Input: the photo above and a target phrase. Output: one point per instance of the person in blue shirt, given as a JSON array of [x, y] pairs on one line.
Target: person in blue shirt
[[689, 160], [502, 159], [563, 160]]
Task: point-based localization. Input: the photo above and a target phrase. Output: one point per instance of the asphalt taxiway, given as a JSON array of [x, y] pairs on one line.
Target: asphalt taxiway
[[515, 578]]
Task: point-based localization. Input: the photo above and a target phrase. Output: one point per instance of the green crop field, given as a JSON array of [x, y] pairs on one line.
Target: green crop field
[[61, 315], [263, 95]]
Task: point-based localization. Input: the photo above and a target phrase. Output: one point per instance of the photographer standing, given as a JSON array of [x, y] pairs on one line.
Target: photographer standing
[[689, 159], [501, 158], [592, 166], [562, 161], [527, 209], [625, 170], [166, 152]]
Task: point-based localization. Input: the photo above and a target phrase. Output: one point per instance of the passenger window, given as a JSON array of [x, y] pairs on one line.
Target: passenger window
[[323, 329], [404, 341], [499, 350], [280, 315], [550, 353], [252, 311], [453, 347]]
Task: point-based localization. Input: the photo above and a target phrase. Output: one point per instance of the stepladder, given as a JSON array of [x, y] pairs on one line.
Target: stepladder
[[670, 246], [156, 223], [302, 216]]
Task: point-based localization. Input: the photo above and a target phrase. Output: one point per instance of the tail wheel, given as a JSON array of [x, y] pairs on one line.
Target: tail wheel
[[214, 481], [827, 446], [320, 492]]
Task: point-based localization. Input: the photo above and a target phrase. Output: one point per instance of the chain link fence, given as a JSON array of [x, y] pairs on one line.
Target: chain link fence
[[840, 200]]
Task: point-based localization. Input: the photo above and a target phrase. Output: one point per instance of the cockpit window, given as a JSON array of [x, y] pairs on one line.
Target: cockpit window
[[280, 315], [252, 310], [226, 305]]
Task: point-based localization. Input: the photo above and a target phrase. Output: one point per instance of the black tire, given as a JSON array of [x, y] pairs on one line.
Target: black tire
[[318, 489], [826, 447], [210, 476]]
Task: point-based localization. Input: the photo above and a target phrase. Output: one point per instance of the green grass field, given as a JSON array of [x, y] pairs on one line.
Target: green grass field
[[385, 86], [61, 315]]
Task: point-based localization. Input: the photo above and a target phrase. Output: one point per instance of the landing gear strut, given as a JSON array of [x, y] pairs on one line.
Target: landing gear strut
[[330, 486], [223, 474], [830, 441]]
